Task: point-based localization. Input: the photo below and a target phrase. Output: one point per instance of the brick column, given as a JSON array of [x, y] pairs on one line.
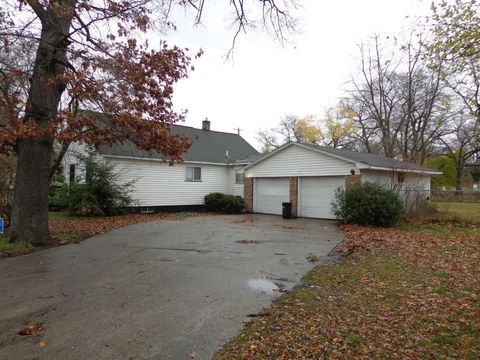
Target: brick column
[[352, 180], [248, 194], [294, 195]]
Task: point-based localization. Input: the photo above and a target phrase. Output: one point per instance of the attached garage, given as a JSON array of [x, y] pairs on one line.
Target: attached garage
[[307, 175], [269, 195], [315, 195]]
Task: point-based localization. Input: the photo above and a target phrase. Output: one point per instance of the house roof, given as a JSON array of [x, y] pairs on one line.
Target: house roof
[[363, 159], [207, 146]]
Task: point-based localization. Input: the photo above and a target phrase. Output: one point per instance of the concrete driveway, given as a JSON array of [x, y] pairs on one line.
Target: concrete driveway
[[162, 290]]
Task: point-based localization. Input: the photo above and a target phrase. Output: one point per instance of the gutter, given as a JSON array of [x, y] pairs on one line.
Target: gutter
[[428, 172], [166, 161]]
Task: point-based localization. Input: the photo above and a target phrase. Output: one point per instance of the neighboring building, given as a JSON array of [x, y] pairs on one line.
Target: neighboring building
[[214, 163], [307, 175]]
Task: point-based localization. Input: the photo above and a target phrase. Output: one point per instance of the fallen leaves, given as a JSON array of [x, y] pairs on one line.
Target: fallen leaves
[[247, 220], [398, 294], [84, 228], [313, 258], [32, 329], [42, 343]]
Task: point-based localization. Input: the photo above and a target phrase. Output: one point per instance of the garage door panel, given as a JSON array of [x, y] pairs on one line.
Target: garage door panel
[[269, 195], [317, 194]]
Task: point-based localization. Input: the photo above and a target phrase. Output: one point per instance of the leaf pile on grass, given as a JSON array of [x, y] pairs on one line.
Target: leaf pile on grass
[[71, 229], [417, 299], [76, 229]]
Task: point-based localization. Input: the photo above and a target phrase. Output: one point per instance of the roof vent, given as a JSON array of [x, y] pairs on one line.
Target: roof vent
[[206, 124]]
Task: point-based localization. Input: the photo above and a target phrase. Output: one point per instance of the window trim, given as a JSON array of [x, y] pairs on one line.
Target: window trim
[[72, 174], [192, 179], [237, 173]]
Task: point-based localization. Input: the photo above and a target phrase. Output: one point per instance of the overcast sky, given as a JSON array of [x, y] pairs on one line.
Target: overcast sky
[[266, 81]]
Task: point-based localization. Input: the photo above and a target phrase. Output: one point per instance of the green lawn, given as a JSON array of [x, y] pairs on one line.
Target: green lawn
[[459, 210], [8, 249], [417, 297]]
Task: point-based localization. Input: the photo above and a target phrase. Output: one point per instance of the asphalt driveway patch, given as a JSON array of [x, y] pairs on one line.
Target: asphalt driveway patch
[[159, 290]]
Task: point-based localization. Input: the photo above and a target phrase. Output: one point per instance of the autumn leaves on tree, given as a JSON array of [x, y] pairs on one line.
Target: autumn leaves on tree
[[86, 56], [61, 56]]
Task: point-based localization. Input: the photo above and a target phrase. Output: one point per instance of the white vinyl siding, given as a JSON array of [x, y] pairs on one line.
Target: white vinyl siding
[[234, 187], [297, 161], [269, 193], [70, 158], [389, 180], [158, 184], [315, 195]]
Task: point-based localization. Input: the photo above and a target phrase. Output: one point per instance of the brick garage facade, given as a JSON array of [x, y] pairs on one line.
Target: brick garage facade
[[248, 194], [294, 195], [352, 180]]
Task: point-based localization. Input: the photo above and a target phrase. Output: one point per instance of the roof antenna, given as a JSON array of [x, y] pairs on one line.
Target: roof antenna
[[238, 130]]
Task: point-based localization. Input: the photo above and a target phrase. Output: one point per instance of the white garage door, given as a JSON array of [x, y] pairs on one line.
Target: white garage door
[[269, 195], [316, 195]]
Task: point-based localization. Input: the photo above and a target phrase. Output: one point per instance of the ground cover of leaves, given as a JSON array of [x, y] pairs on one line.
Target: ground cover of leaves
[[74, 229], [412, 292]]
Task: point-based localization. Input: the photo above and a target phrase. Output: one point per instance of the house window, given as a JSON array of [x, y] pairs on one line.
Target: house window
[[238, 178], [401, 177], [194, 173], [72, 174]]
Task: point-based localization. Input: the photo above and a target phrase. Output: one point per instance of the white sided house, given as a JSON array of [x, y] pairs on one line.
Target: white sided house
[[214, 163], [307, 175]]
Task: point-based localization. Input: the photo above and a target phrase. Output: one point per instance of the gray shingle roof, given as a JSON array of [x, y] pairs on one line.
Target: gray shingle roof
[[375, 160], [207, 146]]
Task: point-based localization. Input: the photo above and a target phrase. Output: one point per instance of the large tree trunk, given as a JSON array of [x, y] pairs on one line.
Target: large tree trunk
[[30, 202], [29, 222], [459, 177]]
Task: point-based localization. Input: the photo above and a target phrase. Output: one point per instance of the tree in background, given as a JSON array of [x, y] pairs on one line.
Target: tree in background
[[92, 54], [337, 127], [456, 40], [309, 130], [335, 130], [456, 28], [397, 100], [447, 166], [463, 144], [290, 129]]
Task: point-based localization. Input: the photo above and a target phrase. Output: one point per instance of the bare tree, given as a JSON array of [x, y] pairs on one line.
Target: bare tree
[[463, 144], [397, 100], [286, 131]]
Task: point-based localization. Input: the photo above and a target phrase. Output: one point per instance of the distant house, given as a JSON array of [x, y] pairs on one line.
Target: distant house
[[214, 163], [307, 175]]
